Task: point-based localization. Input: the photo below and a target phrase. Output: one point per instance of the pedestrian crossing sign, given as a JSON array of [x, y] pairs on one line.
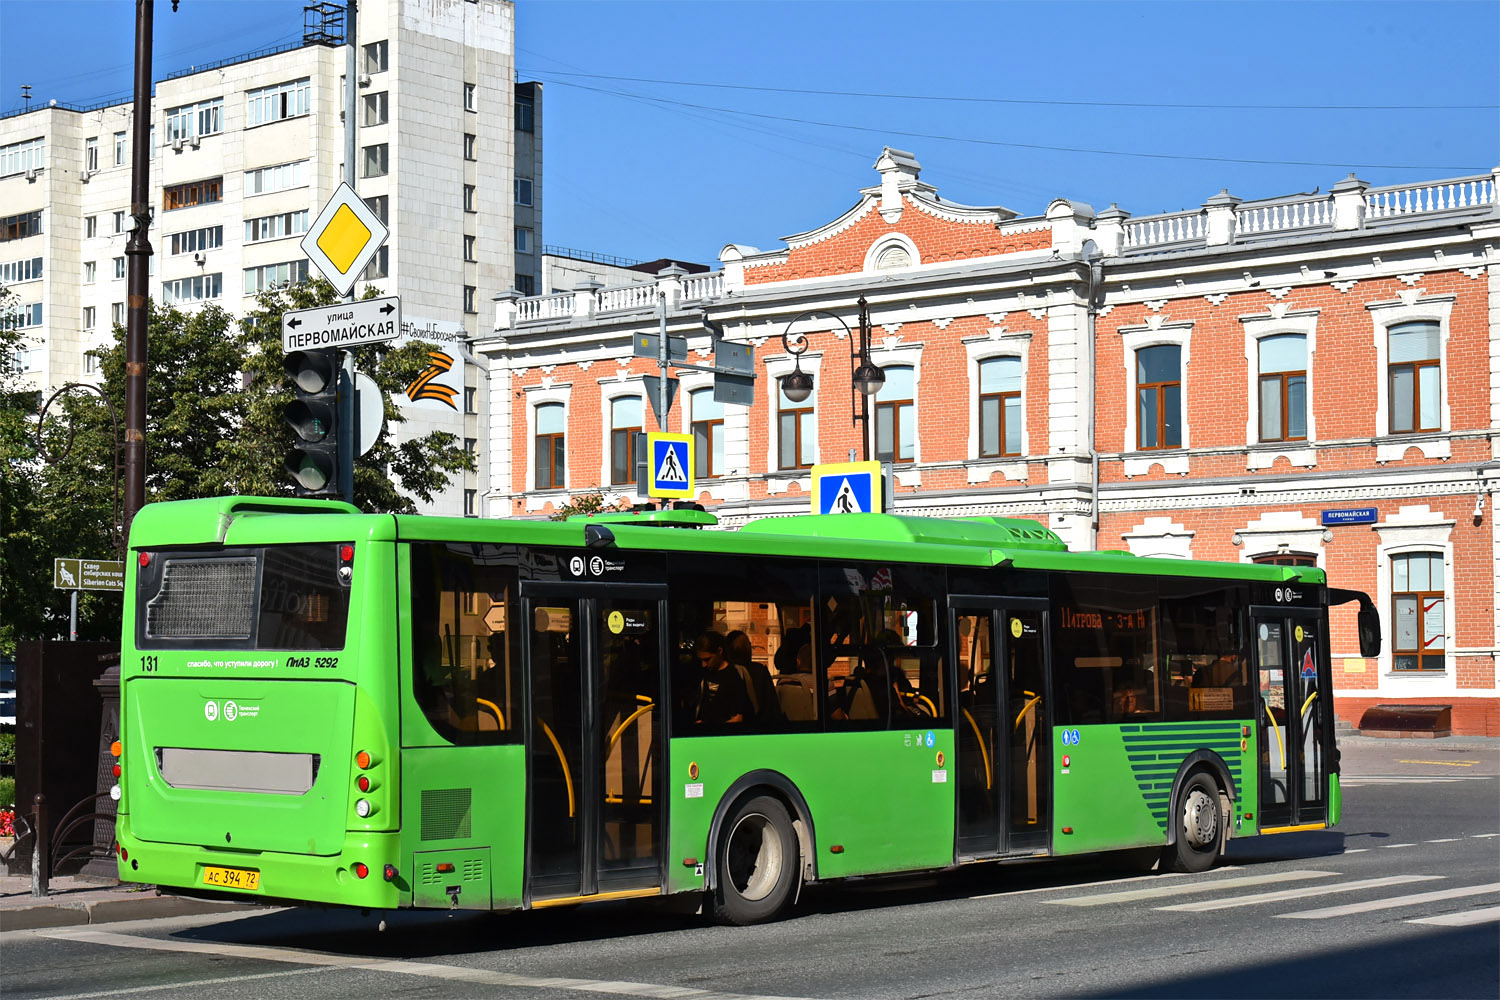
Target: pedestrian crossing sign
[[669, 466], [847, 488]]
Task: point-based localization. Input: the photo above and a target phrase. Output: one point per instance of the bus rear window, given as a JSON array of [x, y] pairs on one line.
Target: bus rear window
[[276, 597]]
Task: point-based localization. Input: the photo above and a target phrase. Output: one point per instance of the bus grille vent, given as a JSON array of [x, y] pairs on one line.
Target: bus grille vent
[[204, 599], [446, 813]]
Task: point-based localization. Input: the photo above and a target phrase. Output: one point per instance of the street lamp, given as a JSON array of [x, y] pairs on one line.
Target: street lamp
[[866, 378]]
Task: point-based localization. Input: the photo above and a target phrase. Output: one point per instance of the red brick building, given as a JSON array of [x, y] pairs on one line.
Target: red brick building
[[1313, 378]]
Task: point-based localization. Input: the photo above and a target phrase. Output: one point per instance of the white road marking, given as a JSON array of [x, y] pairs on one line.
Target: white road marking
[[1444, 840], [1391, 847], [1391, 902], [1317, 890], [1356, 850], [484, 977], [1153, 877], [1481, 836], [186, 985], [1484, 916], [1182, 888]]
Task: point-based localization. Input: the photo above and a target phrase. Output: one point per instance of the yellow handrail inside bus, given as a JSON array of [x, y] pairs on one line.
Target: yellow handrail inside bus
[[985, 754], [1275, 729], [563, 760], [614, 737], [1026, 708], [931, 708], [1309, 701], [493, 708], [644, 699]]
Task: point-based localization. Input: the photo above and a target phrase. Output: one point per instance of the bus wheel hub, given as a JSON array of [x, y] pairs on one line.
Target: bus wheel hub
[[1200, 819]]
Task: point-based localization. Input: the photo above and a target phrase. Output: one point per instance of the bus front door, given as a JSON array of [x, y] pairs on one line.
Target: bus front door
[[1293, 718], [1003, 728], [596, 743]]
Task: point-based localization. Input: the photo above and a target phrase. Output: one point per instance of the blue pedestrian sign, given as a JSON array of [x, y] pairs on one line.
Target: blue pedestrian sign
[[669, 465], [847, 488]]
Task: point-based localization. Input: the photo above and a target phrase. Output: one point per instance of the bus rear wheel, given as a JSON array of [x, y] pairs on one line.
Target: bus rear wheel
[[758, 862], [1197, 824]]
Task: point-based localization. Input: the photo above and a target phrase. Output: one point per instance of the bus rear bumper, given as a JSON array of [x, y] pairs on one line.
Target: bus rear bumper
[[271, 877]]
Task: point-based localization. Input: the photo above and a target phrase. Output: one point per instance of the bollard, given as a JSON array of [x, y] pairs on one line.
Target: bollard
[[39, 838]]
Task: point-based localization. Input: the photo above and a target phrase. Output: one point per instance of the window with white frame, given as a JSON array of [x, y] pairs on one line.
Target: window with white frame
[[471, 199], [91, 154], [471, 146], [376, 57], [523, 240], [1158, 387], [269, 276], [895, 415], [999, 407], [199, 288], [707, 416], [280, 177], [1416, 377], [196, 240], [23, 317], [90, 317], [625, 448], [90, 272], [470, 248], [551, 430], [120, 147], [377, 108], [1417, 612], [376, 160], [201, 118], [471, 97], [523, 191], [17, 271], [119, 263], [91, 364], [90, 226], [471, 299], [1283, 387], [284, 100], [18, 157], [117, 313], [276, 227], [119, 221], [796, 432]]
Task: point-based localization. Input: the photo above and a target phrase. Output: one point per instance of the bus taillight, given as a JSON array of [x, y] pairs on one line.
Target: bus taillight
[[363, 784], [361, 870], [363, 809], [145, 559], [364, 760], [346, 564]]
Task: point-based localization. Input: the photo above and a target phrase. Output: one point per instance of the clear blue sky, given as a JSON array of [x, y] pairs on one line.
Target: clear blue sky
[[1391, 91]]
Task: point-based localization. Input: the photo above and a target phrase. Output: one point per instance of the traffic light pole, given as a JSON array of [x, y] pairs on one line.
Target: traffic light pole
[[138, 253]]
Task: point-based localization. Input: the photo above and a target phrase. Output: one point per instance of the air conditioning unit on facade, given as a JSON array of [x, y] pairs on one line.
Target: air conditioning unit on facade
[[177, 144], [32, 173], [194, 140], [199, 257], [85, 175], [364, 79]]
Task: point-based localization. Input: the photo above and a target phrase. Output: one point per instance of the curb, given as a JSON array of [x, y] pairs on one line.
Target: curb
[[103, 911]]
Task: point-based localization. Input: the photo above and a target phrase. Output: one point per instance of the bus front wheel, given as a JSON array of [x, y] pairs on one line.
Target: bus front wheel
[[1197, 821], [758, 862]]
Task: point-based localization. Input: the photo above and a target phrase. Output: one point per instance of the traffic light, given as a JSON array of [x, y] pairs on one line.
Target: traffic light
[[313, 462]]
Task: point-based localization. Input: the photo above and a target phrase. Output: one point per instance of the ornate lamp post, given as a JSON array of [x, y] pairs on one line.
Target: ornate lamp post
[[866, 378]]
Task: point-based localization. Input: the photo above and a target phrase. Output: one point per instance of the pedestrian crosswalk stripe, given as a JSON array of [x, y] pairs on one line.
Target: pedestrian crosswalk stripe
[[1317, 890], [1153, 877], [1468, 919], [1388, 847], [1481, 836], [1444, 840], [1391, 902], [1182, 888]]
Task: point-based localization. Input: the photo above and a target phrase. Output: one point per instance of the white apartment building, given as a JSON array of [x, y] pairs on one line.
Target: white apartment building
[[246, 152]]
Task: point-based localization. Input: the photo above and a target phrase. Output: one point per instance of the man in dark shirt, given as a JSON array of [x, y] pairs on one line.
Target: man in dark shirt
[[724, 697]]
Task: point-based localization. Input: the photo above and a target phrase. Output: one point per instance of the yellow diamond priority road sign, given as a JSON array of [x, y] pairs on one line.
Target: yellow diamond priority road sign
[[343, 238]]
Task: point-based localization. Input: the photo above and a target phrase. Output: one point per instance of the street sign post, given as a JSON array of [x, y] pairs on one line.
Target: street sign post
[[343, 324], [847, 488], [343, 238], [652, 384], [669, 464], [648, 345]]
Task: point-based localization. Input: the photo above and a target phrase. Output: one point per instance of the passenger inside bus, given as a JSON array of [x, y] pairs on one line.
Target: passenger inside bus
[[724, 696]]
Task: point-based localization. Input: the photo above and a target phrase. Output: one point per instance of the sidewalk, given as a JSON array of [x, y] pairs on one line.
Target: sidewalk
[[73, 900]]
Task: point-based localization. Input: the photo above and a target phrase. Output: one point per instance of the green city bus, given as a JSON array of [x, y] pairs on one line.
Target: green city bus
[[381, 711]]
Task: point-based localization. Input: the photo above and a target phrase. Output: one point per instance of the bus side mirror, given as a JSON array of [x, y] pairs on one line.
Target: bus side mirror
[[1369, 631]]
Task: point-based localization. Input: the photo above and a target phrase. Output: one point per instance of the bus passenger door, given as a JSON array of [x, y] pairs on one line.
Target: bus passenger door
[[595, 742], [1003, 728], [1293, 718]]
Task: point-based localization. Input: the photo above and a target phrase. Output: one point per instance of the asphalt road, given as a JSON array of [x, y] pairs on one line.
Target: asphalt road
[[1403, 900]]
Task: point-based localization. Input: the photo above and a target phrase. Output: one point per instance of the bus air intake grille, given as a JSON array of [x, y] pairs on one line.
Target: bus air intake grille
[[445, 813], [204, 599]]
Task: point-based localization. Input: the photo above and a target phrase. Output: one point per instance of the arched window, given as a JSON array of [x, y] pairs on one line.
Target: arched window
[[708, 434], [1158, 386], [1283, 387], [895, 415], [892, 258], [796, 432], [625, 447], [999, 407], [550, 429]]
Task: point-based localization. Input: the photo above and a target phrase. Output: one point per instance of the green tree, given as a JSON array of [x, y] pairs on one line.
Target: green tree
[[587, 503], [23, 548]]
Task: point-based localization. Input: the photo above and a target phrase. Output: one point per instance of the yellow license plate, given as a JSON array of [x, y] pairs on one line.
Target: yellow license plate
[[231, 878]]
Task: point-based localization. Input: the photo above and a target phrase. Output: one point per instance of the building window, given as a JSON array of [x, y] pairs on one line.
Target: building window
[[999, 407], [22, 317], [471, 299], [471, 446], [377, 56], [525, 114], [90, 272], [195, 289], [119, 219], [523, 191], [1415, 378], [708, 434], [525, 284], [625, 447], [1283, 387], [90, 363], [196, 240], [523, 240], [18, 227], [90, 226], [202, 192], [1418, 608], [376, 160], [119, 149], [272, 104], [281, 177], [91, 155], [276, 227], [380, 264], [471, 399], [471, 146], [117, 313], [269, 276], [471, 200], [471, 97], [90, 317], [203, 118], [119, 268], [16, 271], [469, 248], [380, 204], [549, 446], [21, 156], [377, 108], [471, 499], [1158, 386], [895, 415], [893, 258], [796, 432]]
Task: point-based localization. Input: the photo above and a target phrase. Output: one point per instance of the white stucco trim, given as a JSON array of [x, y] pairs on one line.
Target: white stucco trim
[[889, 240], [1277, 532], [888, 352], [1384, 315], [1161, 537], [611, 389], [535, 396], [1414, 529], [1299, 453], [778, 480], [999, 344], [1173, 460]]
